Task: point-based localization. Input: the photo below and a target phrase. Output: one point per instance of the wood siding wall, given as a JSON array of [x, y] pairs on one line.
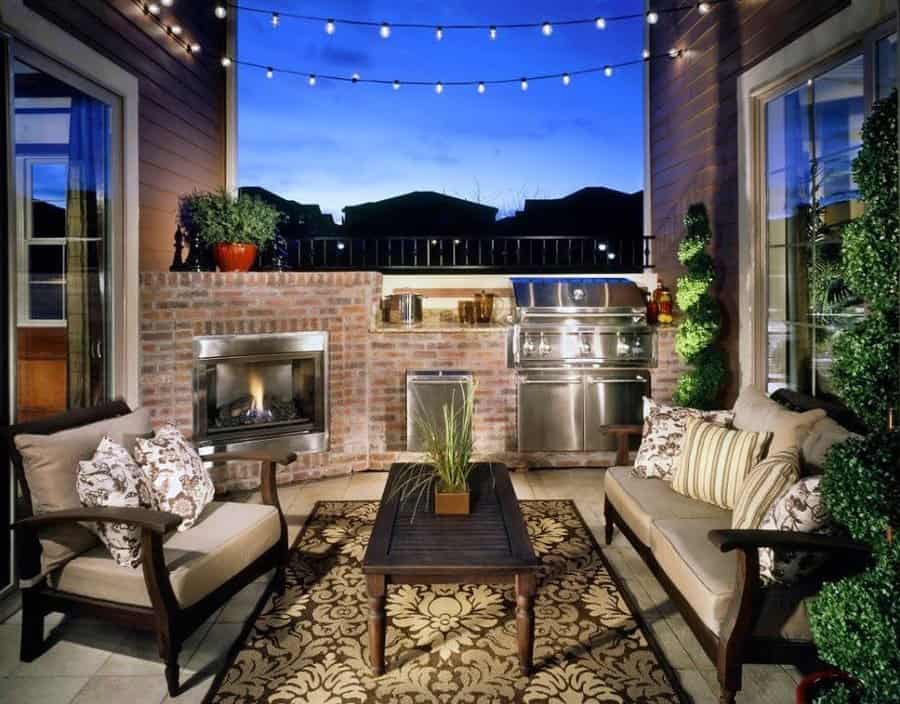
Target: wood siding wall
[[182, 102], [694, 129]]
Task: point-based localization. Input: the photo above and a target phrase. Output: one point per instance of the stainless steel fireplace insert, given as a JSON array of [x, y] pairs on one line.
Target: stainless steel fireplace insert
[[261, 392]]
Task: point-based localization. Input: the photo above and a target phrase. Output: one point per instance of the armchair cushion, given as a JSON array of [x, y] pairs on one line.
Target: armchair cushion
[[50, 463], [112, 478], [179, 483], [755, 411], [227, 538], [641, 501]]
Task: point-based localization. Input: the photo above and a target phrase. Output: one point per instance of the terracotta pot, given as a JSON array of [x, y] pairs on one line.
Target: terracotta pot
[[451, 504], [816, 684], [234, 257]]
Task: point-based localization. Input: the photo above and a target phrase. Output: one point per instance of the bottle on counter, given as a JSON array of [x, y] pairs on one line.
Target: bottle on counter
[[665, 307], [652, 308]]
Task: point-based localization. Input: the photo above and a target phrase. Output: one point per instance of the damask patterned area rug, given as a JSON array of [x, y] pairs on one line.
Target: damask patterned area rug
[[446, 644]]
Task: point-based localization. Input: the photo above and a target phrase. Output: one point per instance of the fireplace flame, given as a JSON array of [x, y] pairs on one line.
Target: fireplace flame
[[257, 390]]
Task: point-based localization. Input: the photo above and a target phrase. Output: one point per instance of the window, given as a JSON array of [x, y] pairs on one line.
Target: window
[[812, 133]]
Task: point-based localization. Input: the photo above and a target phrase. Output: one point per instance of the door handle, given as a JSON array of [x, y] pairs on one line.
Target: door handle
[[639, 380], [551, 381]]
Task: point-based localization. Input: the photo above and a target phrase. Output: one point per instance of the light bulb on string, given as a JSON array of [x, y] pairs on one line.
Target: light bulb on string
[[153, 8], [439, 33], [523, 84], [220, 12], [481, 88], [566, 79], [385, 30], [492, 33], [645, 54], [674, 53], [546, 29], [276, 19], [600, 23], [704, 8], [652, 17], [607, 71], [167, 3], [438, 87], [330, 27], [226, 61], [396, 85], [176, 30], [354, 78], [195, 48], [311, 80], [270, 73]]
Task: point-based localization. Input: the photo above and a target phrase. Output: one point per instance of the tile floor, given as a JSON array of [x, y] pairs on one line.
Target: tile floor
[[96, 663]]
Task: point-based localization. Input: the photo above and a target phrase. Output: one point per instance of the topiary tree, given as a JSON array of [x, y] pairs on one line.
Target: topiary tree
[[864, 371], [697, 332]]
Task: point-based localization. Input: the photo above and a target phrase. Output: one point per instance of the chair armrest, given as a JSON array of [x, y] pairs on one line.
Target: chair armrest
[[268, 469], [728, 540], [159, 522]]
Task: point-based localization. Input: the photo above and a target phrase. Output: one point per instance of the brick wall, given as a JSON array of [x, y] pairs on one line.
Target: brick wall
[[367, 369]]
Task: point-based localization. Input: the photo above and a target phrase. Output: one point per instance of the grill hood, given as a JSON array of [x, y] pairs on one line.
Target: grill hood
[[610, 295]]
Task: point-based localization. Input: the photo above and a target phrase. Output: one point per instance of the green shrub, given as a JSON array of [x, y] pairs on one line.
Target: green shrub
[[838, 694], [221, 218], [864, 368], [697, 332], [856, 626]]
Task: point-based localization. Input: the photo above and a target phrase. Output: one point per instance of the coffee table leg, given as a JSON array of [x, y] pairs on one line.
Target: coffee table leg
[[526, 585], [375, 585]]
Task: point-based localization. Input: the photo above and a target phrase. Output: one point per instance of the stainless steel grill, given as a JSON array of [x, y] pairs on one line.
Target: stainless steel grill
[[583, 351]]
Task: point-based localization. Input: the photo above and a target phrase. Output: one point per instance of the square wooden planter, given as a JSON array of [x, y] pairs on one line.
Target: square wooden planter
[[451, 504]]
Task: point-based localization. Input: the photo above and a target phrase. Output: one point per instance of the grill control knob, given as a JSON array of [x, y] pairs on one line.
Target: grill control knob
[[528, 345], [584, 345], [544, 347]]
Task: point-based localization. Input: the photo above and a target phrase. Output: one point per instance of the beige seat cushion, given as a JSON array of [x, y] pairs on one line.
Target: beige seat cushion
[[825, 433], [705, 577], [51, 463], [639, 501], [755, 411], [228, 537]]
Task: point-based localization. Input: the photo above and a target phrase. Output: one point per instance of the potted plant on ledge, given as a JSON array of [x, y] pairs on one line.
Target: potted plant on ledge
[[449, 445], [236, 227]]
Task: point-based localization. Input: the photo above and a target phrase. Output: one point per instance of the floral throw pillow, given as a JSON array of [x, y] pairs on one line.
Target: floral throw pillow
[[178, 482], [112, 478], [664, 428], [802, 509]]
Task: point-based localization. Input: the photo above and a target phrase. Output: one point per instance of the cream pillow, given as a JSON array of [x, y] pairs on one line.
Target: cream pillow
[[178, 481], [51, 462], [714, 462], [767, 481], [112, 478], [755, 411]]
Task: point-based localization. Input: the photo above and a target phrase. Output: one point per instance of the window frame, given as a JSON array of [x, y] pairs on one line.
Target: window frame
[[864, 45]]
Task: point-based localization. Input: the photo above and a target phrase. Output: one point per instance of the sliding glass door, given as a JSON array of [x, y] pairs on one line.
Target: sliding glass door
[[63, 158]]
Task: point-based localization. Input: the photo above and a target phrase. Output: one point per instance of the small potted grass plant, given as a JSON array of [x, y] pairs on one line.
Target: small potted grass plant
[[449, 445], [236, 227]]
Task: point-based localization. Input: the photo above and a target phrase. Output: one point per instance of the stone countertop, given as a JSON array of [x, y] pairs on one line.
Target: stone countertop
[[439, 326]]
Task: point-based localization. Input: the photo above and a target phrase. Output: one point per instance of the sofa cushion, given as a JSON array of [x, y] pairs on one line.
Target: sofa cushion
[[699, 570], [766, 482], [50, 463], [178, 481], [640, 501], [755, 411], [228, 538], [714, 462], [664, 428], [825, 433], [112, 478]]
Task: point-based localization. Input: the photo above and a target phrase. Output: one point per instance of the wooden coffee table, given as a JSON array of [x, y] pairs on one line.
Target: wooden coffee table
[[488, 546]]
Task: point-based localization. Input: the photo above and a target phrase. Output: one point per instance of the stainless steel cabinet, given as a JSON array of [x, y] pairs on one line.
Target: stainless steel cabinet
[[611, 400], [427, 392], [551, 413]]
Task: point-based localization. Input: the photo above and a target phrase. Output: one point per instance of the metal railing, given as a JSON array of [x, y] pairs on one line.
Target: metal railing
[[501, 254]]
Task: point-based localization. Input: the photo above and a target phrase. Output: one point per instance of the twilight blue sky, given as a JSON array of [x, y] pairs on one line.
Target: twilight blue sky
[[340, 144]]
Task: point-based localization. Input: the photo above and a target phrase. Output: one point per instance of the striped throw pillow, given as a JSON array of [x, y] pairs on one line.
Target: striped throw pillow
[[714, 462], [767, 482]]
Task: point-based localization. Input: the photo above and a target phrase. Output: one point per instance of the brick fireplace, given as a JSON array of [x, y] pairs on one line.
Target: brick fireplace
[[366, 367]]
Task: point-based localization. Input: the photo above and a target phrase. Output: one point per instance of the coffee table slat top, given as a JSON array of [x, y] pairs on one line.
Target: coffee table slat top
[[491, 539]]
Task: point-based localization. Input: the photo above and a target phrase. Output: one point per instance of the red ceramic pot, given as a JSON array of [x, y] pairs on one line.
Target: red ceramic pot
[[817, 683], [234, 257]]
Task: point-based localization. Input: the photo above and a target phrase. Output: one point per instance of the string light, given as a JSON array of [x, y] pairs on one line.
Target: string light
[[566, 79], [492, 32], [704, 8], [607, 71], [330, 27], [546, 29], [220, 12], [438, 87], [600, 23], [226, 61], [652, 17], [270, 73], [355, 78], [153, 8], [276, 19], [174, 31], [396, 85], [674, 53], [194, 48], [167, 3], [523, 84], [311, 80], [645, 54], [481, 88], [385, 30], [439, 33]]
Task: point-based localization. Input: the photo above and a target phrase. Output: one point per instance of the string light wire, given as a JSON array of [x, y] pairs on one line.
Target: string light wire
[[173, 30]]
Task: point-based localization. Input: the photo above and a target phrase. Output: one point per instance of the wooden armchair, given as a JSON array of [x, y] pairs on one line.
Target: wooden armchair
[[166, 595]]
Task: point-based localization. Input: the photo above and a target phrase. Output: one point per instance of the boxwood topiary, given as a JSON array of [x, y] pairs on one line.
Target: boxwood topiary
[[221, 218], [697, 332]]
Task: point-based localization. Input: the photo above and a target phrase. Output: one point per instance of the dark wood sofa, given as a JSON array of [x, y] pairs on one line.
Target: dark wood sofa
[[163, 614], [742, 632]]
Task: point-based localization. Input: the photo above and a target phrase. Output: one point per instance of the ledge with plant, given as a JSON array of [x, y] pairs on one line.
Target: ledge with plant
[[235, 227]]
